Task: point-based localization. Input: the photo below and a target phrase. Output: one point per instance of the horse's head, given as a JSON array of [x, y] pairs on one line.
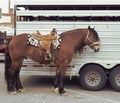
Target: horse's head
[[92, 39]]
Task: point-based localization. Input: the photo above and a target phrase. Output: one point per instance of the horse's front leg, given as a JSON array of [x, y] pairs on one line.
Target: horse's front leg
[[56, 81], [60, 75], [61, 83], [62, 69]]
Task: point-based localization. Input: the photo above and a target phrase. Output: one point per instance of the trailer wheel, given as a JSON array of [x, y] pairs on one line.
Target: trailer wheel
[[92, 77], [114, 78]]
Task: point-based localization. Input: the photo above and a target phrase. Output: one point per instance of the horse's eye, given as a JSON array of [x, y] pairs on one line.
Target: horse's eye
[[91, 36]]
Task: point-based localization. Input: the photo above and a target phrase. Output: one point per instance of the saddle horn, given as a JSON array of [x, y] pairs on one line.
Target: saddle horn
[[53, 32], [38, 32]]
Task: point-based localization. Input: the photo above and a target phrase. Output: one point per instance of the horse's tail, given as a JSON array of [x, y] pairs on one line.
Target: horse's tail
[[7, 61]]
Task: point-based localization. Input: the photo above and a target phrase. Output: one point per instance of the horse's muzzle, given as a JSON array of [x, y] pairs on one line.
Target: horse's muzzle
[[96, 49]]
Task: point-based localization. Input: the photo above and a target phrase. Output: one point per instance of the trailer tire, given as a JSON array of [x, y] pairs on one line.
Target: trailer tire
[[92, 77], [114, 78]]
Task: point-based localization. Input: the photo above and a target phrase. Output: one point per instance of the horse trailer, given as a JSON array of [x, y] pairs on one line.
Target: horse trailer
[[93, 69]]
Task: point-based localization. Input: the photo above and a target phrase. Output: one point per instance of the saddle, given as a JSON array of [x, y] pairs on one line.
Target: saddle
[[46, 43], [48, 37]]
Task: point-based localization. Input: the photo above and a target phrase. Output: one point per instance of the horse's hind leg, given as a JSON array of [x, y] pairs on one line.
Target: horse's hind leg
[[10, 80], [11, 76], [17, 80]]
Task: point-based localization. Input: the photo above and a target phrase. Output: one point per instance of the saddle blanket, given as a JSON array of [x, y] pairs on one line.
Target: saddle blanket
[[34, 42], [57, 42]]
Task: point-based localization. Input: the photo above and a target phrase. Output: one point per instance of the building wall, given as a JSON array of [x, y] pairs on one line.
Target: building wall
[[8, 18]]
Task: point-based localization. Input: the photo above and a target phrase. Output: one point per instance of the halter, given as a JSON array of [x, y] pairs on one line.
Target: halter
[[87, 38]]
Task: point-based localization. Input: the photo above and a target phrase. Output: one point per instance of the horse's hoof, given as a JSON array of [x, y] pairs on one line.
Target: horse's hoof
[[55, 90], [21, 90], [64, 94], [13, 93]]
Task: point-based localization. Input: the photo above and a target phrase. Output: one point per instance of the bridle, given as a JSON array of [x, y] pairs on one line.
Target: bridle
[[87, 38]]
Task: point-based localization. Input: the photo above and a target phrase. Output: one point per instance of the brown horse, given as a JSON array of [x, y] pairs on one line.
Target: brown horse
[[71, 41]]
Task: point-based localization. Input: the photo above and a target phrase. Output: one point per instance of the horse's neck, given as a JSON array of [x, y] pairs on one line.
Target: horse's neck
[[78, 39]]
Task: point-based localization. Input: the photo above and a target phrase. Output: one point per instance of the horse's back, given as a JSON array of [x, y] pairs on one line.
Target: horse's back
[[20, 37]]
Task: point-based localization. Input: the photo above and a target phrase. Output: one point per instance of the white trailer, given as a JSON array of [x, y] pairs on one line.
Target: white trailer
[[93, 69]]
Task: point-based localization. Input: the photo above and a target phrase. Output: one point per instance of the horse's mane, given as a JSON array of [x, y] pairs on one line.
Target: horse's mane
[[79, 50], [95, 33]]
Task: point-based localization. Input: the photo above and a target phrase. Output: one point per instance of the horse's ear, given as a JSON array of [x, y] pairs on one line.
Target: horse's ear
[[89, 27]]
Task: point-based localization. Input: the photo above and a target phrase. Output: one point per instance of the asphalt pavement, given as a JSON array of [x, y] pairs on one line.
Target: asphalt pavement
[[39, 90]]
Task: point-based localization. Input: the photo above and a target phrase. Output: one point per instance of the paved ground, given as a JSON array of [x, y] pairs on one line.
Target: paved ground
[[38, 90]]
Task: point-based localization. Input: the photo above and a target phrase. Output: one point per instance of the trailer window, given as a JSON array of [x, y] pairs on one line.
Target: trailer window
[[73, 8], [68, 18], [70, 7]]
